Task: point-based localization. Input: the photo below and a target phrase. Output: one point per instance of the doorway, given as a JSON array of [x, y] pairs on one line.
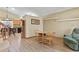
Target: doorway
[[23, 29]]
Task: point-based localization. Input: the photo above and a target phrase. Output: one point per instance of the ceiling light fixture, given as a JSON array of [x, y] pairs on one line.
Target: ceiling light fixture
[[13, 9], [6, 17], [7, 14], [31, 14]]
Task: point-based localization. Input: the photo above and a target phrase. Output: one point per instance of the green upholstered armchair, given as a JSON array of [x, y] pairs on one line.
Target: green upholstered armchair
[[72, 40]]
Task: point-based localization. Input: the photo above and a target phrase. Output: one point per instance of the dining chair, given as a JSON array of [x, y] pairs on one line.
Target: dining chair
[[48, 39]]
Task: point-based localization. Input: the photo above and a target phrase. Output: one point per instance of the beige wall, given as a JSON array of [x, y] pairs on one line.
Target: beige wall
[[62, 27], [3, 14], [31, 29], [71, 13]]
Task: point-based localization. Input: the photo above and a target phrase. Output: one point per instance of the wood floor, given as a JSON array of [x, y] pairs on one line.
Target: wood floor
[[32, 45]]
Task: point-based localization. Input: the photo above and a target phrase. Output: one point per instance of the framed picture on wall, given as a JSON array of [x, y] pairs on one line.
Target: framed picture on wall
[[35, 21]]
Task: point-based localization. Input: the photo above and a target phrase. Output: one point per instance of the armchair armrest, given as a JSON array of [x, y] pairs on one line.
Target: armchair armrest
[[68, 35]]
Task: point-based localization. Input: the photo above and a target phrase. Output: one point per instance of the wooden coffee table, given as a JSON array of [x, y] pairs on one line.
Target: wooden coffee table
[[44, 38]]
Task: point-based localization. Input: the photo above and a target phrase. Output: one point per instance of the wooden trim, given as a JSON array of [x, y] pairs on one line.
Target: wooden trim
[[58, 37], [29, 37], [37, 36]]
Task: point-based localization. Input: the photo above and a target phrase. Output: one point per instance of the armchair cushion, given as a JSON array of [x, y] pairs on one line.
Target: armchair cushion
[[69, 38]]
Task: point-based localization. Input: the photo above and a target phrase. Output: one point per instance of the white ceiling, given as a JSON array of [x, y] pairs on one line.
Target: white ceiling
[[36, 11]]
